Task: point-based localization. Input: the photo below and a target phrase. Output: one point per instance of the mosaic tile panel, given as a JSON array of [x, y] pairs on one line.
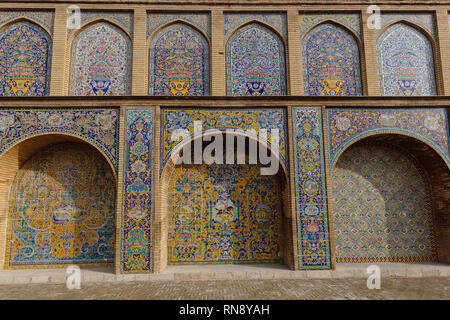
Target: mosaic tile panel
[[173, 119], [313, 246], [350, 20], [382, 206], [179, 62], [43, 17], [347, 125], [101, 62], [62, 209], [331, 63], [137, 199], [223, 214], [200, 20], [255, 62], [124, 19], [406, 63], [25, 55], [98, 126], [423, 19], [275, 20]]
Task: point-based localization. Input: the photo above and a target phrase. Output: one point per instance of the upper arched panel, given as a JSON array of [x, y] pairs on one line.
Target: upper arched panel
[[179, 62], [406, 62], [331, 64], [25, 54], [255, 62], [101, 62]]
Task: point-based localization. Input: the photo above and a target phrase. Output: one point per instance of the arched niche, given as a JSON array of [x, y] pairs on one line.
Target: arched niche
[[57, 204], [389, 203]]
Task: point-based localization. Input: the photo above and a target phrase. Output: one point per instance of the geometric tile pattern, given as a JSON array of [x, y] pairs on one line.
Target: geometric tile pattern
[[350, 20], [255, 62], [275, 20], [200, 20], [25, 55], [331, 62], [221, 119], [136, 228], [382, 206], [101, 62], [406, 64], [122, 18], [43, 17], [62, 209], [98, 126], [347, 125], [313, 241], [223, 214], [179, 62], [423, 19]]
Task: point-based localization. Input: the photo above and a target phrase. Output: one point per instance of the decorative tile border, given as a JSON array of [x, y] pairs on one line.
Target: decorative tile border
[[123, 19], [350, 20], [99, 126], [136, 228], [275, 20], [200, 20], [347, 125], [313, 243], [424, 19], [44, 17], [258, 118]]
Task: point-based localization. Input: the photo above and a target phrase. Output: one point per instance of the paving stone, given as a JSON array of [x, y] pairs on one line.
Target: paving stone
[[391, 288]]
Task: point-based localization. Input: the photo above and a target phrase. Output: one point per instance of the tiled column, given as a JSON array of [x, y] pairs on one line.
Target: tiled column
[[140, 55], [58, 52], [217, 69], [369, 63], [294, 54], [443, 51]]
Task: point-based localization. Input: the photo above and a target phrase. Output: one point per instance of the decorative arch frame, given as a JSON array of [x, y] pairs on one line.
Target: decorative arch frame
[[84, 27], [383, 129], [437, 66], [82, 139], [8, 118], [282, 42], [153, 38], [46, 32], [362, 76]]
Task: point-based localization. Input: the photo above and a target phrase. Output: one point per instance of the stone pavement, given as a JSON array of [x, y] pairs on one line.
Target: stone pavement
[[391, 288], [228, 272], [347, 281]]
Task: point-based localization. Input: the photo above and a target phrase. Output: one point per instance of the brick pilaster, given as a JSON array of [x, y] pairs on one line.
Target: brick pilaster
[[369, 64], [218, 80], [295, 67], [139, 78], [57, 79]]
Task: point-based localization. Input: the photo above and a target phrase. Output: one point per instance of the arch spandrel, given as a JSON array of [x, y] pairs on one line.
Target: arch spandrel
[[100, 61], [25, 60], [255, 62], [331, 61], [406, 61], [179, 61]]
